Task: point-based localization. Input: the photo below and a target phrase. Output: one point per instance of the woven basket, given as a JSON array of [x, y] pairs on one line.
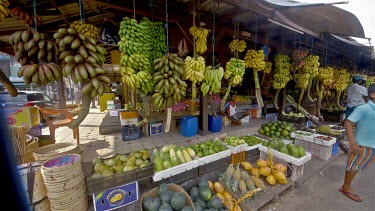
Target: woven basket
[[30, 173], [31, 146], [43, 205], [55, 150], [65, 182], [45, 140]]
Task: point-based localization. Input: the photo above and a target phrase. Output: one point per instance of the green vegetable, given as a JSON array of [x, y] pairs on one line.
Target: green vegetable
[[162, 188], [178, 201], [158, 165]]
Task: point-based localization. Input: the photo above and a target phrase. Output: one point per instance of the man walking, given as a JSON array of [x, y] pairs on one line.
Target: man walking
[[362, 143], [356, 93]]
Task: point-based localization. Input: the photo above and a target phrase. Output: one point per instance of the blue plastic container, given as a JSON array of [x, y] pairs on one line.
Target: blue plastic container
[[214, 123], [189, 126], [335, 148]]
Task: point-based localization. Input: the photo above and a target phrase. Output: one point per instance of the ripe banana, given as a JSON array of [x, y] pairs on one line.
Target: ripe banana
[[255, 59], [86, 29], [200, 34], [237, 45], [235, 69], [282, 72]]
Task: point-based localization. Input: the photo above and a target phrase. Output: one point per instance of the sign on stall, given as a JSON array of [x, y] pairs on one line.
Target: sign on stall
[[117, 197]]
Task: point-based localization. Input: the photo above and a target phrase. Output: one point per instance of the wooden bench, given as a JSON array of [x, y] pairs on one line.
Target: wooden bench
[[53, 125]]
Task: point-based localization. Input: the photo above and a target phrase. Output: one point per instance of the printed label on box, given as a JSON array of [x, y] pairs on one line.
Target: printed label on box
[[116, 197], [110, 104], [156, 128]]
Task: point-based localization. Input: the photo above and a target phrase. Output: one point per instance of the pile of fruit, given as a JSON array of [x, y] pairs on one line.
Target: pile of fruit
[[255, 59], [4, 4], [326, 130], [273, 173], [303, 133], [289, 149], [292, 114], [277, 129], [209, 148], [324, 138], [340, 82], [38, 56], [120, 163], [252, 140], [26, 17], [170, 156], [88, 30], [166, 199], [204, 197], [200, 34], [234, 141], [82, 59], [212, 80], [169, 87]]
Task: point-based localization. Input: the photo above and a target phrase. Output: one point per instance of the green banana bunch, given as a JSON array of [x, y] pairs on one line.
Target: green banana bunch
[[255, 59], [303, 80], [268, 68], [138, 62], [194, 69], [212, 80], [82, 59], [168, 86], [235, 69], [282, 73], [158, 38]]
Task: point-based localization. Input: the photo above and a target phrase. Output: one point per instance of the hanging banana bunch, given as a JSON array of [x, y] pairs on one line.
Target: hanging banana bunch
[[86, 29], [169, 87], [267, 70], [237, 45], [194, 71], [4, 4], [255, 60], [323, 79], [82, 60], [282, 75], [235, 69], [200, 34], [212, 80], [38, 56], [340, 82], [311, 66]]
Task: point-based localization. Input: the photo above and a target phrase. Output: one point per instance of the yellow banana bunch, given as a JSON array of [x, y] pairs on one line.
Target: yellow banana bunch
[[325, 75], [169, 87], [255, 59], [282, 72], [194, 69], [341, 78], [268, 68], [212, 80], [235, 69], [4, 4], [311, 65], [237, 45], [87, 29], [200, 34], [303, 80]]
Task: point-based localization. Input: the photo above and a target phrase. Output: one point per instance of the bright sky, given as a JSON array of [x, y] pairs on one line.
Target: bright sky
[[363, 10]]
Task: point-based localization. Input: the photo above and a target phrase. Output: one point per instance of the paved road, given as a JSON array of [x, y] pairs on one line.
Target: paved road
[[321, 191]]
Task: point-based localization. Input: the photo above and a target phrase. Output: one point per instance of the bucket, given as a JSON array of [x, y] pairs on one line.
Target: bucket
[[45, 140], [189, 126], [214, 123]]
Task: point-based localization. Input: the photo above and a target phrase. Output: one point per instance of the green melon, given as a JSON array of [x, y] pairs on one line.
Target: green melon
[[205, 194], [165, 207], [178, 201], [194, 193], [162, 188]]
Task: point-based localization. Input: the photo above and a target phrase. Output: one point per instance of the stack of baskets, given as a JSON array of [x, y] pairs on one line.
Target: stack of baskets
[[56, 150], [35, 191], [32, 144], [65, 183]]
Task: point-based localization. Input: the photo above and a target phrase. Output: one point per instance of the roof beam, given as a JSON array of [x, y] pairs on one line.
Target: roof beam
[[57, 8]]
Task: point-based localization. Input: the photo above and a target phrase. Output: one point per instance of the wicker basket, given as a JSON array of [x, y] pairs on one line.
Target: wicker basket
[[31, 146], [45, 140], [176, 188], [65, 183], [32, 180], [43, 205], [55, 150]]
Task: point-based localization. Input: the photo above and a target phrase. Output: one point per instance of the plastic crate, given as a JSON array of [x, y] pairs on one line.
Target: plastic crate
[[293, 171], [130, 132], [321, 151]]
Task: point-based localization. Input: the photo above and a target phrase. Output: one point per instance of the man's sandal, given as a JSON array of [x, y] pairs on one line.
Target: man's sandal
[[351, 196]]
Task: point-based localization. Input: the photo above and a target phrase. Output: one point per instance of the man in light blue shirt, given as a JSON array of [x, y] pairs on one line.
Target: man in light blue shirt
[[362, 143], [356, 93]]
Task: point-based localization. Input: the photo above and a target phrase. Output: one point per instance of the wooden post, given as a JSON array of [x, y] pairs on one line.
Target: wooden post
[[282, 101], [203, 116], [61, 94]]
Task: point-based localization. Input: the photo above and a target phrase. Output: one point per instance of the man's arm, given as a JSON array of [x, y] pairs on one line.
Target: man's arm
[[354, 148]]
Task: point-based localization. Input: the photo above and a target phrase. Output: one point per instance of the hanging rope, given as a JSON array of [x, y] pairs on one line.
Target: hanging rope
[[166, 24], [35, 21], [80, 10], [235, 37], [326, 55], [152, 11], [213, 34], [283, 43], [134, 9], [312, 44], [256, 31]]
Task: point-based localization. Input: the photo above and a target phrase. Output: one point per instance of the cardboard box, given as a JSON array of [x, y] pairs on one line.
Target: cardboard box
[[128, 117], [115, 112], [26, 116], [256, 113], [246, 119], [117, 197], [156, 128], [110, 104], [272, 116]]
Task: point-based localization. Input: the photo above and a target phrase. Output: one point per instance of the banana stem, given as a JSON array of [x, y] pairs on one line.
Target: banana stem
[[8, 84], [257, 90], [211, 102], [309, 89], [193, 91], [338, 100], [301, 94], [276, 99], [86, 101], [146, 100], [225, 97]]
